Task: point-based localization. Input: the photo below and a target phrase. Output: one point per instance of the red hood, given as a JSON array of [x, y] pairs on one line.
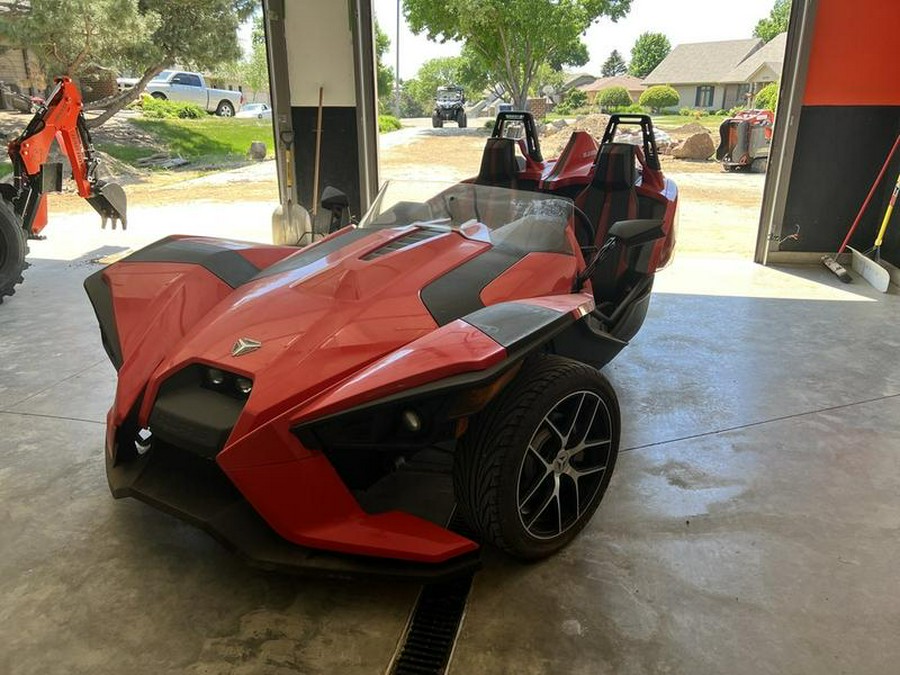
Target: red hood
[[319, 323]]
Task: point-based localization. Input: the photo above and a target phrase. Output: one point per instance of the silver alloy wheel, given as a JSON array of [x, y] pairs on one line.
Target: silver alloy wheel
[[564, 466]]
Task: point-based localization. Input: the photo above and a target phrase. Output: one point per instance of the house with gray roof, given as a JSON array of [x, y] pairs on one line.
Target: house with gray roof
[[720, 75]]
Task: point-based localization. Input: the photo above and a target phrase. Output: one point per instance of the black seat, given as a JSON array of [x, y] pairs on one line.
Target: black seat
[[611, 196], [499, 166]]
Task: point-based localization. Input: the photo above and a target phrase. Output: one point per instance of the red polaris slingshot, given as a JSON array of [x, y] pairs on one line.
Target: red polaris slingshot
[[390, 396]]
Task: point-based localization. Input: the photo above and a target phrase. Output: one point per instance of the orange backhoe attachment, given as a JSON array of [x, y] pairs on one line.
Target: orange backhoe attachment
[[60, 117]]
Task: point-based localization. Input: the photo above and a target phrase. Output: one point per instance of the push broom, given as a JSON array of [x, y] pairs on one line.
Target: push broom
[[831, 261], [868, 264]]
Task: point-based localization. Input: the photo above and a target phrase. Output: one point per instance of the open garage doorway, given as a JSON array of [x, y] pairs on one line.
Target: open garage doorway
[[716, 73]]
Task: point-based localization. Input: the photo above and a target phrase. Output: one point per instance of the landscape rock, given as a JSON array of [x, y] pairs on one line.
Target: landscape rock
[[698, 146], [257, 151]]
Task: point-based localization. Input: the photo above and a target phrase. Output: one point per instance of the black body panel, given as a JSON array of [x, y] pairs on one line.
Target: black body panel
[[230, 266], [314, 252], [458, 292], [101, 300]]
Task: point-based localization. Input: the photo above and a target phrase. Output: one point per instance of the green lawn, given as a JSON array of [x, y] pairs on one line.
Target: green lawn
[[5, 169], [125, 153], [211, 139]]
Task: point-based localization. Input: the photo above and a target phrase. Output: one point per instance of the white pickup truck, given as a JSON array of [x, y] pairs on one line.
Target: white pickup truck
[[179, 85]]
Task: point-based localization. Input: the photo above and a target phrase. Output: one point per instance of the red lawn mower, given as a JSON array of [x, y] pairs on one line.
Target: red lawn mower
[[326, 408]]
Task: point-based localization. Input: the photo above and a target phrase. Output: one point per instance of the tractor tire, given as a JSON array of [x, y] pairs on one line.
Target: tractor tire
[[759, 165], [437, 122], [461, 119], [534, 465], [13, 249], [159, 95], [225, 109]]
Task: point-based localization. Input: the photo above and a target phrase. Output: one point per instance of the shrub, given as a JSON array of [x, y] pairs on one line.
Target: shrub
[[721, 113], [659, 97], [158, 108], [767, 98], [735, 110], [685, 112], [388, 123], [614, 97], [575, 98], [700, 112], [634, 108]]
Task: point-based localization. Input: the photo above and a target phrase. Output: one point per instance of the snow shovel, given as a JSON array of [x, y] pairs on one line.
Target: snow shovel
[[868, 264]]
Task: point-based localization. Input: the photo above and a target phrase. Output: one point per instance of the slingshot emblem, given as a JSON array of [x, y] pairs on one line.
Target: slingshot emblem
[[245, 346]]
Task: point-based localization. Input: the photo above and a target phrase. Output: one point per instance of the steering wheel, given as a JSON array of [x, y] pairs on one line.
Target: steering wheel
[[584, 230]]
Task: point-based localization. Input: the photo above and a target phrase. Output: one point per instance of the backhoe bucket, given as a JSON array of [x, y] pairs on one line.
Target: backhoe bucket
[[110, 202]]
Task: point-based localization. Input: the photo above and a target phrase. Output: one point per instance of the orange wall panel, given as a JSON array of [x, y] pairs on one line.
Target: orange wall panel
[[855, 54]]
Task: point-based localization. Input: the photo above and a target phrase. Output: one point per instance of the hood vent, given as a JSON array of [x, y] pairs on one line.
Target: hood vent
[[408, 239]]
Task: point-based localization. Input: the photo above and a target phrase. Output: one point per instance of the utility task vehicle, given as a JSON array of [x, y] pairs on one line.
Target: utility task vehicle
[[23, 203], [745, 140], [342, 398], [449, 105]]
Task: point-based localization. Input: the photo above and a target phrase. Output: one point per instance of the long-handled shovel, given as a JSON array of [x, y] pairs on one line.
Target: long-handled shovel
[[868, 264]]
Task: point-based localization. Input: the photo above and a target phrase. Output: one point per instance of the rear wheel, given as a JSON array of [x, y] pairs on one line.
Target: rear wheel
[[158, 95], [13, 249], [759, 165], [535, 464], [461, 119], [225, 109]]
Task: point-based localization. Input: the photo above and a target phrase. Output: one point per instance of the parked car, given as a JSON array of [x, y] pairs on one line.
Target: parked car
[[260, 111], [179, 85]]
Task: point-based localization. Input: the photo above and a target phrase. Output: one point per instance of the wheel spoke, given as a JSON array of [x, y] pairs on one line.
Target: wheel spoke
[[580, 473], [594, 444], [558, 512], [574, 482], [556, 431], [590, 423], [540, 511], [574, 420], [543, 461], [540, 481]]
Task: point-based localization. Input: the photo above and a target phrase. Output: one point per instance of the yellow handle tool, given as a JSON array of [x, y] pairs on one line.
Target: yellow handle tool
[[887, 215]]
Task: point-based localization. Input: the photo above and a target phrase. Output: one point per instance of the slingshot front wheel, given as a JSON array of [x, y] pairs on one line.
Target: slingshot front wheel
[[535, 464]]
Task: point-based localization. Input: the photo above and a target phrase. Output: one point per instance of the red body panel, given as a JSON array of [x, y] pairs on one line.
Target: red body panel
[[551, 271]]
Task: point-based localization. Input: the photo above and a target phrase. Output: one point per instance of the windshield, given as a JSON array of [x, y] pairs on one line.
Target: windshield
[[529, 221], [164, 75], [451, 95]]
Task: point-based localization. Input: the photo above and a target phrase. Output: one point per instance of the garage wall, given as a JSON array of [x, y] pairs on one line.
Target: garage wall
[[849, 119]]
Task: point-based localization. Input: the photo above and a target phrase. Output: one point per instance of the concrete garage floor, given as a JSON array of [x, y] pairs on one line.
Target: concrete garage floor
[[752, 525]]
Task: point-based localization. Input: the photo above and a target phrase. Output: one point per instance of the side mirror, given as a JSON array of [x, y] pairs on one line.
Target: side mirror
[[332, 199], [637, 232], [337, 202]]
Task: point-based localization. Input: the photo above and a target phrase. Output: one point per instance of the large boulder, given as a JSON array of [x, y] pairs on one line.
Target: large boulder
[[698, 146]]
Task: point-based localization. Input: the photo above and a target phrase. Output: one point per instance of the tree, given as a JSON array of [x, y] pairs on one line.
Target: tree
[[648, 52], [385, 73], [659, 97], [767, 97], [776, 23], [142, 35], [511, 39], [68, 36], [439, 72], [254, 71], [614, 65], [613, 97]]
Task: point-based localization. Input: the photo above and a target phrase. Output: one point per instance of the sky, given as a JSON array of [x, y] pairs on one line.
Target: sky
[[680, 20]]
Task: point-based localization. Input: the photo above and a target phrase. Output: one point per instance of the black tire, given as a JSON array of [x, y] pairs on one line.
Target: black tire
[[497, 468], [461, 119], [158, 94], [437, 122], [225, 109], [13, 249], [759, 165]]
